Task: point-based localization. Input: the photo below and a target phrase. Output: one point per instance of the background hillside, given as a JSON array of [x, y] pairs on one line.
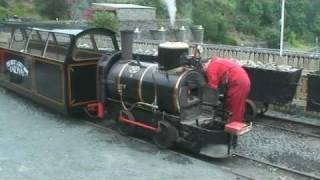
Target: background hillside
[[234, 22]]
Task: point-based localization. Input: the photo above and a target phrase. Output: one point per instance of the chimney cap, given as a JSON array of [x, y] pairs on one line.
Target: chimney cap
[[174, 45]]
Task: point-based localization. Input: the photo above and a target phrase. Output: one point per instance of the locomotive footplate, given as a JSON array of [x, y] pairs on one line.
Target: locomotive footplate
[[213, 143]]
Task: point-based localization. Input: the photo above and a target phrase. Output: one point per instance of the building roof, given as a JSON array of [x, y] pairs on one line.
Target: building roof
[[114, 7]]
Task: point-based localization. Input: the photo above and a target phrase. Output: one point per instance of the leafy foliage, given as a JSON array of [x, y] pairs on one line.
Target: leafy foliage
[[19, 8], [225, 21], [104, 20], [52, 9], [260, 19], [4, 3]]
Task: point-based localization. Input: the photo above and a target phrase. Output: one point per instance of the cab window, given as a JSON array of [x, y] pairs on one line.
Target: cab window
[[57, 46], [18, 40], [104, 43], [5, 37], [36, 43], [92, 46]]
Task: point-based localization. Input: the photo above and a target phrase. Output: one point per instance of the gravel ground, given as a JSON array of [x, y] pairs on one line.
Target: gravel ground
[[280, 147], [305, 129]]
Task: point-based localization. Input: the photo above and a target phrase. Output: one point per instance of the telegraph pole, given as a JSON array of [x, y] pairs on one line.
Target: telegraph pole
[[282, 26]]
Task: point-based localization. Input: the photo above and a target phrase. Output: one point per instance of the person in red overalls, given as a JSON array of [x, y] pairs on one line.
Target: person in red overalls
[[236, 79]]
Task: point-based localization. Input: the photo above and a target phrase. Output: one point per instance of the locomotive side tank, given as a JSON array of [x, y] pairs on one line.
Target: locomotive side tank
[[171, 92]]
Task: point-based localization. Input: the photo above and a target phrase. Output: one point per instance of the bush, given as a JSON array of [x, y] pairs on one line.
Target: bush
[[292, 39], [19, 9], [4, 12], [230, 41], [104, 20], [52, 9], [272, 36], [22, 10]]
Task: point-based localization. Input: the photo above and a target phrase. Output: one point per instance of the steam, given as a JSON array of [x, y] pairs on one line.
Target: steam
[[172, 9]]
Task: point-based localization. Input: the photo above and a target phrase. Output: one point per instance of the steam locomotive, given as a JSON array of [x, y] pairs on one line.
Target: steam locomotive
[[77, 70], [164, 98]]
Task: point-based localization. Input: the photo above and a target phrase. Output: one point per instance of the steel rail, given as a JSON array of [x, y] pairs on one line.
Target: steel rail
[[289, 120], [307, 175], [284, 120]]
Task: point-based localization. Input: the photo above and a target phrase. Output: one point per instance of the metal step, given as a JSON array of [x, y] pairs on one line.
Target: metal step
[[215, 150], [191, 122]]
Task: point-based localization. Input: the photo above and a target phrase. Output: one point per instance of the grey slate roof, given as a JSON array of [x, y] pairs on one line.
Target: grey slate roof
[[113, 7]]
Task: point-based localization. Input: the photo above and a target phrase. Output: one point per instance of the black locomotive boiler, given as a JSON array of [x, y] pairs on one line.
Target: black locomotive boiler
[[164, 99]]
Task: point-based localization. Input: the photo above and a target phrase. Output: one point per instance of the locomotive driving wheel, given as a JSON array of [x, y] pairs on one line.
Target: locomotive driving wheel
[[167, 135], [123, 127]]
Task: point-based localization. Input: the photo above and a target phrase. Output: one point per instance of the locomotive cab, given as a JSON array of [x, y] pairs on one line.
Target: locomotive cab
[[88, 47]]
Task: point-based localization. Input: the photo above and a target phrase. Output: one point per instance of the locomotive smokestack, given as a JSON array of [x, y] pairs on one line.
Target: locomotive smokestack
[[126, 44]]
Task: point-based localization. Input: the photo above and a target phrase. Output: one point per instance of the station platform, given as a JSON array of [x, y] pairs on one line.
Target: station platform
[[37, 144]]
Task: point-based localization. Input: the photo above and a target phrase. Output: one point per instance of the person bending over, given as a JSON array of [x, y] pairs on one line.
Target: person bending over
[[224, 71]]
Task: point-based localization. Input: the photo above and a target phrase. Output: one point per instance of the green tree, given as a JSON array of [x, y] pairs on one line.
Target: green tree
[[296, 16], [52, 9], [216, 16], [19, 8], [249, 16], [4, 12], [316, 26], [4, 3], [272, 37]]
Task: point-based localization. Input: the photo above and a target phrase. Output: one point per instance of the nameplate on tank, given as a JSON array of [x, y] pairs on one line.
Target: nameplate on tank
[[17, 67]]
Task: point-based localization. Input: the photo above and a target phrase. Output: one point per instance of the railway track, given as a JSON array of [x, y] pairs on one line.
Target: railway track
[[289, 126], [289, 120], [290, 170], [242, 158], [226, 168], [175, 151]]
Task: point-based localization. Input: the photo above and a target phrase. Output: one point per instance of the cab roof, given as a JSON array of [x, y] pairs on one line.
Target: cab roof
[[68, 29]]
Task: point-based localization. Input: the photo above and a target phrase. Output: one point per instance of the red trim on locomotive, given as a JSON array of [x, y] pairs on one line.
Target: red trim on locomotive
[[97, 108], [139, 124]]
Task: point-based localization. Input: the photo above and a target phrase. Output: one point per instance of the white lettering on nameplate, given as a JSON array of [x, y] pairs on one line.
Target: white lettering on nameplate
[[16, 67]]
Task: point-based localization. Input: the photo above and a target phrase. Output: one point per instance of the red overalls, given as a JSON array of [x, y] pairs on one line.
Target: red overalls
[[238, 85]]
